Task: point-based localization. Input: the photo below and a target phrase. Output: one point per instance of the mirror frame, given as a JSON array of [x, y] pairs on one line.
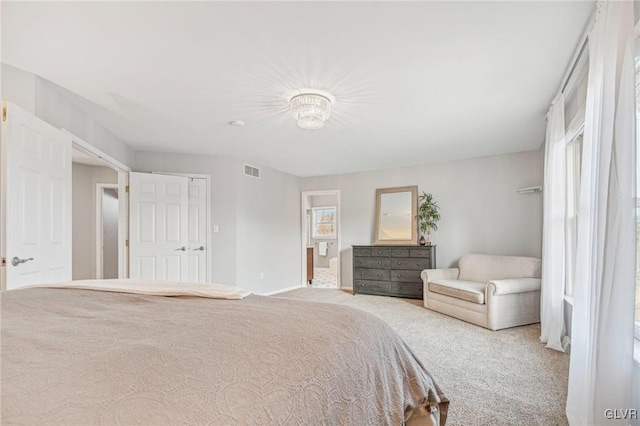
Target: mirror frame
[[414, 217]]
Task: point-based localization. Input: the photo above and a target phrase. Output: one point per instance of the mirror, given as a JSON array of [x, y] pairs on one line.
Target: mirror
[[396, 211]]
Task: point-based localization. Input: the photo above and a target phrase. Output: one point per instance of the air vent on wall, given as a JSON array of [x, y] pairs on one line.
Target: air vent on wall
[[251, 171]]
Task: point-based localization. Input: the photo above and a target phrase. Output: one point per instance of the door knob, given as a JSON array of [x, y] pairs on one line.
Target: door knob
[[181, 249], [16, 261], [201, 248]]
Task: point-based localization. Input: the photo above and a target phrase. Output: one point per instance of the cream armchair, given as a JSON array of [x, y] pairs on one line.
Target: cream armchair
[[494, 292]]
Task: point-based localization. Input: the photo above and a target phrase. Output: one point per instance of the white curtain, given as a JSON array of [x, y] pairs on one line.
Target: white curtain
[[553, 233], [600, 373]]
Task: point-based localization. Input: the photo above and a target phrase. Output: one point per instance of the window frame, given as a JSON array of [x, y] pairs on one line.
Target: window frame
[[573, 175], [314, 223]]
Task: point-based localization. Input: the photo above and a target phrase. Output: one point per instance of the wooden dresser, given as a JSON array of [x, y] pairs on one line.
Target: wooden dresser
[[391, 270]]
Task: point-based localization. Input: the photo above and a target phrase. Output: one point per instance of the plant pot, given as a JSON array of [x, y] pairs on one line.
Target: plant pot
[[422, 241]]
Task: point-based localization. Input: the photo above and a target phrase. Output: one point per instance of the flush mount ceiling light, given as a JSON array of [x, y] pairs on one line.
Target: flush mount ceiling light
[[311, 108]]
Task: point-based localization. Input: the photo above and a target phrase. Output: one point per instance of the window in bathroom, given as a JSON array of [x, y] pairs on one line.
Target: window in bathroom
[[324, 222]]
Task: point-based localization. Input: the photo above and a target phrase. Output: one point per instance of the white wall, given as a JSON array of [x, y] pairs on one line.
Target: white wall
[[258, 219], [480, 208], [84, 195], [18, 87], [55, 105]]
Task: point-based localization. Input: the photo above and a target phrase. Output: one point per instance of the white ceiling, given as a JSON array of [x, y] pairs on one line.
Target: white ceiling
[[81, 157], [415, 82]]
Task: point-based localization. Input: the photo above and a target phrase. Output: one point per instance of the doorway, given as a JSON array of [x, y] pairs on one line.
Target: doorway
[[321, 239], [99, 212]]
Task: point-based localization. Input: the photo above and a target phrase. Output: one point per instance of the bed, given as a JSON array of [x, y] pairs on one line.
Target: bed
[[121, 352]]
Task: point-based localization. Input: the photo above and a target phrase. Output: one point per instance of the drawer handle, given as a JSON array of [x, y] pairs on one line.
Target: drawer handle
[[399, 263], [418, 263], [379, 275], [361, 273], [379, 263], [398, 275], [379, 252], [418, 253], [399, 252], [361, 285]]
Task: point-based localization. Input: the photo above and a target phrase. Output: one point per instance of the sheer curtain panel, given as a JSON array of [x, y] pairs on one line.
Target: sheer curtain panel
[[553, 233], [600, 374]]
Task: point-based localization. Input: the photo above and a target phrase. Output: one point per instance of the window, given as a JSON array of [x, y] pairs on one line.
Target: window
[[573, 169], [324, 222]]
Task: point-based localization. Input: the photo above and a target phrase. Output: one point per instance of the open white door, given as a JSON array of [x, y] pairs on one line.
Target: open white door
[[158, 227], [36, 186]]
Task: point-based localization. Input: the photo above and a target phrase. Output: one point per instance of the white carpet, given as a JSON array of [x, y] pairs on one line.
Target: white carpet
[[504, 377]]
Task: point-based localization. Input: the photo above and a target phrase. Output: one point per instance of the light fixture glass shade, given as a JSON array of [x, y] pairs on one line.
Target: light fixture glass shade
[[310, 110]]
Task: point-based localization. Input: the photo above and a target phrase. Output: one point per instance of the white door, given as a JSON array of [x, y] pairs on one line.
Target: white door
[[158, 227], [198, 230], [37, 189]]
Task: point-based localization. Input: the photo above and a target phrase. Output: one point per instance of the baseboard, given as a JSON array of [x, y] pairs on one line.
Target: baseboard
[[271, 293]]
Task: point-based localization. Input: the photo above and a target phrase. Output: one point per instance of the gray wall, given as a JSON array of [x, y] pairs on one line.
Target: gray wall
[[110, 233], [258, 219], [223, 201], [55, 105], [84, 180], [480, 208], [268, 231]]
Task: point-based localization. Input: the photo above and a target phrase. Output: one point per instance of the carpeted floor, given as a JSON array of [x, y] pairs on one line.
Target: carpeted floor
[[504, 377]]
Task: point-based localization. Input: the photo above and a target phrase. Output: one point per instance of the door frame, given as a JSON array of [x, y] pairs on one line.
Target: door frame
[[304, 201], [123, 202], [207, 178], [100, 187]]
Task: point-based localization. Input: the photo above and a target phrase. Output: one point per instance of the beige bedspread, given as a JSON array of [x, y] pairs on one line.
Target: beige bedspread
[[85, 357]]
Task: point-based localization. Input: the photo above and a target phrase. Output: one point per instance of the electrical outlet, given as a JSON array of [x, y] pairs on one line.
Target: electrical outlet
[[215, 228], [262, 275]]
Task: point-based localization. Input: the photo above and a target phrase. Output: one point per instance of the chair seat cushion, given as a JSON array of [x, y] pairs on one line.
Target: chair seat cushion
[[466, 290]]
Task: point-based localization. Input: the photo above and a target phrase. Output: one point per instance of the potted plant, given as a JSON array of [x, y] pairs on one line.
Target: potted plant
[[428, 217]]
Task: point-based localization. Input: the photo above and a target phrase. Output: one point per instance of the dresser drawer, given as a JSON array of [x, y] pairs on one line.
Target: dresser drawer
[[407, 289], [414, 263], [371, 287], [406, 276], [403, 252], [362, 252], [381, 252], [421, 252], [371, 274], [372, 262]]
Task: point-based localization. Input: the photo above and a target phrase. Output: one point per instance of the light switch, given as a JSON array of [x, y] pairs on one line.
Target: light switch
[[215, 228]]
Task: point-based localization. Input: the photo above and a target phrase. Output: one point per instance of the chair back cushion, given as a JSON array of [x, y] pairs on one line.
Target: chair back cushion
[[484, 268]]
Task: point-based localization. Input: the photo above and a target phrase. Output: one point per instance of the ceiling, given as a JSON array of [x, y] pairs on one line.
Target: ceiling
[[414, 82]]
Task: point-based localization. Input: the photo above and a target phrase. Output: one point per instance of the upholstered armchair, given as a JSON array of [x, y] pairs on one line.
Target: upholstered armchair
[[494, 292]]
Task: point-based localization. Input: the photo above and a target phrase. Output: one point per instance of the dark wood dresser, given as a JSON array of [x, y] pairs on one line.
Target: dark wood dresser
[[391, 270]]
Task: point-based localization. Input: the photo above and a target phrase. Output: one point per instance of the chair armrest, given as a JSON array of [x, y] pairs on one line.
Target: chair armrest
[[513, 286], [439, 274]]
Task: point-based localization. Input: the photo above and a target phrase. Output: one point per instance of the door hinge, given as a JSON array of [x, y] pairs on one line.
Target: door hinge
[[126, 188], [4, 110], [3, 262], [126, 243]]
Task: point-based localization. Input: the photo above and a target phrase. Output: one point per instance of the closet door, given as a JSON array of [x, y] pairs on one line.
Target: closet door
[[36, 196], [158, 227], [198, 251]]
